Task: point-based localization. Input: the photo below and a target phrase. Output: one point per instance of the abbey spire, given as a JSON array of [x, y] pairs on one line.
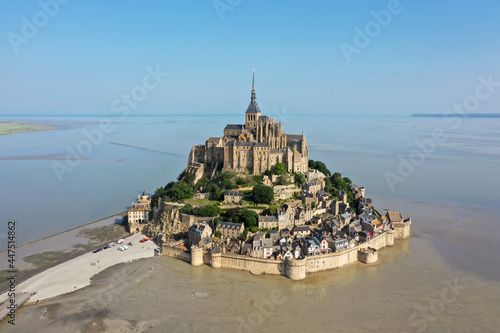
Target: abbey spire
[[253, 86], [253, 112]]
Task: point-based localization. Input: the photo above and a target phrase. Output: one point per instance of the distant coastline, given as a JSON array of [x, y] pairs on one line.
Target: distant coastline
[[7, 128], [457, 115]]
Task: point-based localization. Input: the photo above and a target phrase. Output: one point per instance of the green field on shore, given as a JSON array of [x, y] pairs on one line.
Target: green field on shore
[[12, 128]]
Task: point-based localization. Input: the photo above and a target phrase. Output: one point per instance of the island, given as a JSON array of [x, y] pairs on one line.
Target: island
[[456, 115], [15, 127], [253, 200]]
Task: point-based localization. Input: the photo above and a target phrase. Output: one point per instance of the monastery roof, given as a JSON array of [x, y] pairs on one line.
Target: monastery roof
[[234, 127], [294, 137]]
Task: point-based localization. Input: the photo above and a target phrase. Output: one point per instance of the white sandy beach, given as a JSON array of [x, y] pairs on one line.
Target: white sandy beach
[[76, 273]]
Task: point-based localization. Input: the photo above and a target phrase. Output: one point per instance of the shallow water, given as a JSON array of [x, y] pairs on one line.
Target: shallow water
[[452, 197]]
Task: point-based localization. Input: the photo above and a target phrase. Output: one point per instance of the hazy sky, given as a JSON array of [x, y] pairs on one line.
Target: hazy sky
[[82, 57]]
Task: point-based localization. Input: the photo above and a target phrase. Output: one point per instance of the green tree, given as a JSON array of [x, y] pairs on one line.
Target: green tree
[[262, 194], [240, 181], [300, 180], [208, 210], [159, 193], [258, 179], [189, 178], [313, 204], [201, 184], [218, 234], [280, 168], [248, 217], [187, 209], [180, 191], [320, 166], [273, 209]]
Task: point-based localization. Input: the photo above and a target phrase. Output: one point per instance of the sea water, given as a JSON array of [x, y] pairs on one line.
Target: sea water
[[51, 181]]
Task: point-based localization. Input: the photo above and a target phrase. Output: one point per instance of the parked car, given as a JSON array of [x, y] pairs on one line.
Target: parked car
[[97, 250], [125, 247], [144, 239], [120, 241], [130, 243], [121, 248], [158, 250], [112, 244]]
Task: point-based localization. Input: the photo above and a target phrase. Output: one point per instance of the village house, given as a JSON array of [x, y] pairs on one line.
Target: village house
[[231, 230], [274, 235], [262, 248], [138, 216], [198, 231], [314, 186], [233, 197], [286, 217], [301, 231], [269, 222], [338, 244]]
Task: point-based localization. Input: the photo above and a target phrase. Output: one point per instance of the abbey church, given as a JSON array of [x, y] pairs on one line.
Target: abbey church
[[251, 148]]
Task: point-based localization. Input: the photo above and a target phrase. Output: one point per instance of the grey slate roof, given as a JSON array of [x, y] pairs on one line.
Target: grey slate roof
[[234, 193], [229, 225], [235, 127], [248, 144], [294, 137], [253, 107], [270, 218]]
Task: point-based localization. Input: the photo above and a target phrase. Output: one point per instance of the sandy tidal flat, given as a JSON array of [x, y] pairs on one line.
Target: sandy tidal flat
[[14, 127]]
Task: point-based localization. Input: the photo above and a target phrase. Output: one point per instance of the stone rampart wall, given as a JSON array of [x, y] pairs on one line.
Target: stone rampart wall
[[279, 267], [257, 265]]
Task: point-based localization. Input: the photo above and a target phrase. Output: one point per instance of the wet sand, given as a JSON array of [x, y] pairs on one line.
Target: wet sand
[[65, 242], [413, 288]]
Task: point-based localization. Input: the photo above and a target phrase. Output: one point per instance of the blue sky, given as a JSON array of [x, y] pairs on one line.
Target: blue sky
[[90, 53]]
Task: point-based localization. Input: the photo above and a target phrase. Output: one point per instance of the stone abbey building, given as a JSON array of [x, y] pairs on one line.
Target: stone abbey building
[[251, 148]]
